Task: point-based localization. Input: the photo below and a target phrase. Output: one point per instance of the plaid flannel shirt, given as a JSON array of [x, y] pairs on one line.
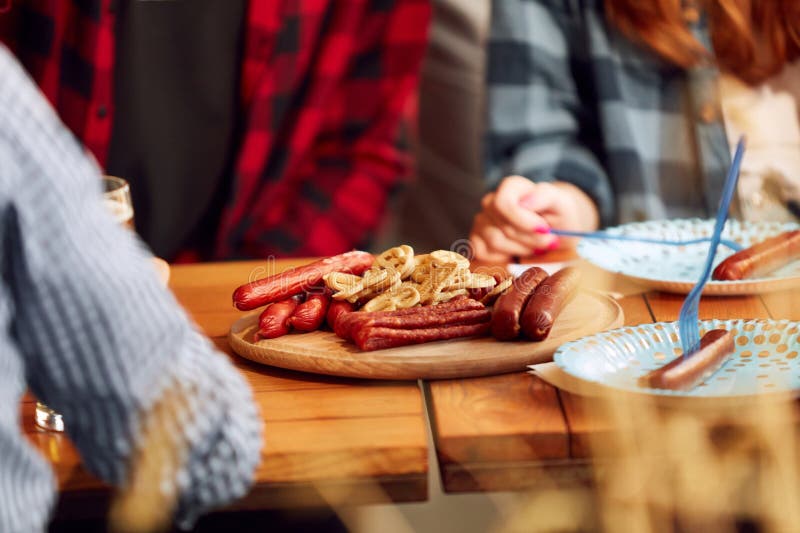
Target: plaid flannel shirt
[[572, 99], [324, 85]]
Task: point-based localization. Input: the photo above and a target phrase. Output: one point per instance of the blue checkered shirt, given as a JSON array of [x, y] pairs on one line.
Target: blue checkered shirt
[[86, 324], [572, 99]]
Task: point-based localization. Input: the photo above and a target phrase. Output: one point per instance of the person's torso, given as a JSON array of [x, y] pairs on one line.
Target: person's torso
[[658, 130], [176, 114]]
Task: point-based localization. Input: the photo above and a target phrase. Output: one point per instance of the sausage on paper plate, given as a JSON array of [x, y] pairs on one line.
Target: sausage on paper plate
[[296, 280], [274, 320], [509, 306], [686, 372], [761, 258], [547, 302]]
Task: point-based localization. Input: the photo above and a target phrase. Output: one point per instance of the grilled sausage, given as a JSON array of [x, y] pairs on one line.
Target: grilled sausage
[[761, 258], [378, 338], [547, 301], [686, 371], [274, 320], [423, 319], [348, 323], [309, 315], [296, 280], [336, 309], [509, 306]]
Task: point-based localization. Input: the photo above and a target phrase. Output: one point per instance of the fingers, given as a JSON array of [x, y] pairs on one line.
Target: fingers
[[516, 219], [492, 244], [545, 198], [483, 253], [504, 207], [533, 241]]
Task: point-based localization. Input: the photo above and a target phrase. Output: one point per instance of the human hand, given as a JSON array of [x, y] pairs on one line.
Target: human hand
[[516, 218]]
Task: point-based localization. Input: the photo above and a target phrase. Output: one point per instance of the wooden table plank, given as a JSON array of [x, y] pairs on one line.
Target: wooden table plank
[[479, 421], [666, 307], [483, 426], [585, 422], [327, 438], [783, 305], [342, 403]]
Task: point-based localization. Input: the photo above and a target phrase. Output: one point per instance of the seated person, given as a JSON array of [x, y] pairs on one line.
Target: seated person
[[87, 325], [246, 128], [619, 110]]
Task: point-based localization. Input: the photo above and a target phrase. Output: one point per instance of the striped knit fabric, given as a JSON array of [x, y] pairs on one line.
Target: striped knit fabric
[[86, 325]]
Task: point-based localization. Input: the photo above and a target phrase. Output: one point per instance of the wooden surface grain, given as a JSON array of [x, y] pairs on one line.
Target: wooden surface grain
[[334, 440], [496, 434], [327, 439]]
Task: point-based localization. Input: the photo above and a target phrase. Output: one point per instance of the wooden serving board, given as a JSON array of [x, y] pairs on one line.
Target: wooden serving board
[[322, 352]]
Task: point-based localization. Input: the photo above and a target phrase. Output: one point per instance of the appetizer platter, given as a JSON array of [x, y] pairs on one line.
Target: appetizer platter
[[738, 359], [769, 262], [401, 315]]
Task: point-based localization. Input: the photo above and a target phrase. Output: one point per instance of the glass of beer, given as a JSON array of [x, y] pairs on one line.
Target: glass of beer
[[117, 199]]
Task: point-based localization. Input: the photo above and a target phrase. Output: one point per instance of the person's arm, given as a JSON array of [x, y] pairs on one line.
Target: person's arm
[[103, 342], [540, 122], [540, 117], [357, 161]]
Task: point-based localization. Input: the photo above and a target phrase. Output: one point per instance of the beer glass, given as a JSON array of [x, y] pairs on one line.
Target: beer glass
[[117, 199]]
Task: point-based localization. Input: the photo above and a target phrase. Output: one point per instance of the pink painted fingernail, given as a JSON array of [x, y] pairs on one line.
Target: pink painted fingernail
[[542, 229], [539, 251], [554, 244]]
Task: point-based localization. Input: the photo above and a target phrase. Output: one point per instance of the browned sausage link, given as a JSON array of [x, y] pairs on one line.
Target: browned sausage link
[[274, 320], [761, 258], [428, 320], [509, 306], [345, 326], [547, 301], [368, 338], [686, 372], [296, 280], [309, 315], [337, 309]]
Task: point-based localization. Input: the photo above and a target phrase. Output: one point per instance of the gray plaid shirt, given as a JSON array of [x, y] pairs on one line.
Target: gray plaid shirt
[[572, 99], [85, 323]]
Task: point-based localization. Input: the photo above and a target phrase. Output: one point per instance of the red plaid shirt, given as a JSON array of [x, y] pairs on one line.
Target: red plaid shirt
[[323, 89]]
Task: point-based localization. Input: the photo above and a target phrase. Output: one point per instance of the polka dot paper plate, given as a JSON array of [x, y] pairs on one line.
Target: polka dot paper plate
[[765, 359], [677, 268]]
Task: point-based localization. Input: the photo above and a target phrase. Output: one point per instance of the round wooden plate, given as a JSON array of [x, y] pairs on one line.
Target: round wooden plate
[[322, 352]]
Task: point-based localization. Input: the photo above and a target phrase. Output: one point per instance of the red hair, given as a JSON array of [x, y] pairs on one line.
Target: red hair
[[753, 39]]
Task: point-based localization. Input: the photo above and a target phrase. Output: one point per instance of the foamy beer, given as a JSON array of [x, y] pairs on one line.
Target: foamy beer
[[117, 199]]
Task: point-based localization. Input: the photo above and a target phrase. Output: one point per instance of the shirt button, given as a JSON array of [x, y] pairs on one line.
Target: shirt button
[[102, 111], [708, 113]]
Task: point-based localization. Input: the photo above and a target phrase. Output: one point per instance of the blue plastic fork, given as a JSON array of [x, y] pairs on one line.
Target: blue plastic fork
[[735, 246], [687, 320]]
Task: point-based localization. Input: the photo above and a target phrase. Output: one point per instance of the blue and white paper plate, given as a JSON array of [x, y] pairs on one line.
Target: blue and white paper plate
[[765, 360], [677, 268]]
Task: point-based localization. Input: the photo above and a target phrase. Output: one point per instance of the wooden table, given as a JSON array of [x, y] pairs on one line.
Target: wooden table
[[329, 441], [515, 431], [332, 440]]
